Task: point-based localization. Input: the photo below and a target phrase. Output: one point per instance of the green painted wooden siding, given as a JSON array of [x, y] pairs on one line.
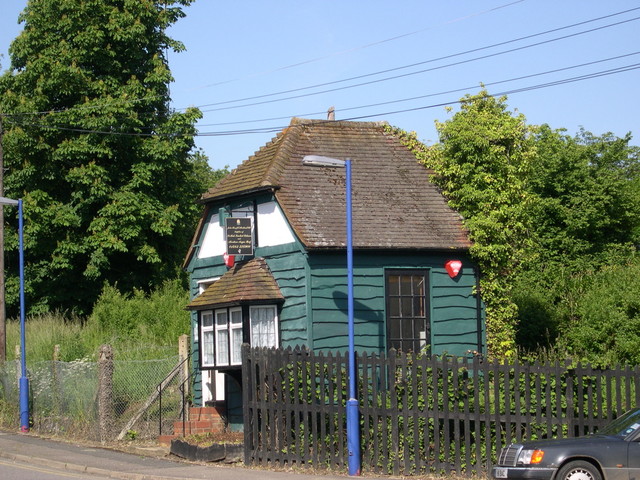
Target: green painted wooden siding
[[287, 265], [453, 306]]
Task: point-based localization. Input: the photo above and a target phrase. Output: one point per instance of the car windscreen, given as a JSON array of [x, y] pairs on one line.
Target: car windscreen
[[624, 425]]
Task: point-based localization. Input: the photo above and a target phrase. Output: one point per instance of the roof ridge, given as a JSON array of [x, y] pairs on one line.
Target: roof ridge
[[314, 121]]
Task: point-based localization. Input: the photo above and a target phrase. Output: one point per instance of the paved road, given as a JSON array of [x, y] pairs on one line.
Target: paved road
[[96, 462], [17, 470]]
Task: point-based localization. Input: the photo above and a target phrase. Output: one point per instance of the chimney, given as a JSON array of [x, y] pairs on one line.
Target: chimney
[[331, 113]]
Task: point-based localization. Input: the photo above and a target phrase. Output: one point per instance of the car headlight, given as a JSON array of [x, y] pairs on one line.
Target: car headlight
[[530, 457]]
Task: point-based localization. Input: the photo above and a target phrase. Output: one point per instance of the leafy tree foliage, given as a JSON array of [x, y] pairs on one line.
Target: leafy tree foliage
[[101, 161], [482, 163], [585, 219], [586, 195], [604, 329]]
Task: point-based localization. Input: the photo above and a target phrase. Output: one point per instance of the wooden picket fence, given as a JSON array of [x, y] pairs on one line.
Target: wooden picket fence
[[419, 414]]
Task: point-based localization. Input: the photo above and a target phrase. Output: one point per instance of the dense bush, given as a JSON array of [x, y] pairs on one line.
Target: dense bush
[[138, 326], [159, 316], [590, 315], [606, 328]]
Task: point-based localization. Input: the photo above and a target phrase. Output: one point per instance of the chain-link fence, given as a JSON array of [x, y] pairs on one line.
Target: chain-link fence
[[98, 401]]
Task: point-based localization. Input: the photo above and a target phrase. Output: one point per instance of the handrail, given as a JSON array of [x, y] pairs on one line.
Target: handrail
[[183, 390], [162, 385]]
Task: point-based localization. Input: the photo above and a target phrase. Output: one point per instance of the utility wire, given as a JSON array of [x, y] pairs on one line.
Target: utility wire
[[226, 102], [305, 62], [278, 128], [395, 77], [446, 57], [419, 97], [612, 71], [362, 47]]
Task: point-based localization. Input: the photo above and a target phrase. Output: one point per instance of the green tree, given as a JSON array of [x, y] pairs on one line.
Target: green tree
[[204, 175], [586, 194], [481, 164], [586, 217], [91, 145]]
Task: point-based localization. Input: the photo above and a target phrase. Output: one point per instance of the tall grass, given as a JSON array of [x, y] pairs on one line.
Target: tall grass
[[138, 326]]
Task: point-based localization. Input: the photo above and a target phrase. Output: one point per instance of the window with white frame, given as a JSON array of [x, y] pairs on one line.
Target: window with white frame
[[207, 338], [222, 334], [204, 283], [228, 336], [235, 328], [264, 326], [222, 337]]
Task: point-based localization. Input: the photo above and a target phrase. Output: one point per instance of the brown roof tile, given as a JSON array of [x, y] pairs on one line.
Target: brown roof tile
[[247, 281], [394, 203]]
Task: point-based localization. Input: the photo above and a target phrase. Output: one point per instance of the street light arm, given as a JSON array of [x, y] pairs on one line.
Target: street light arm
[[8, 201], [320, 161]]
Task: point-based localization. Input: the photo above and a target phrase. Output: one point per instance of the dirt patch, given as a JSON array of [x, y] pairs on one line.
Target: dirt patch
[[207, 439]]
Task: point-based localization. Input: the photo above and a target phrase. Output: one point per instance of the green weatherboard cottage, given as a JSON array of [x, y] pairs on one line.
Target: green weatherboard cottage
[[413, 280]]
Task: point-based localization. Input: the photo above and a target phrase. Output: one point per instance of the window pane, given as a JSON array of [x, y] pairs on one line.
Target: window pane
[[407, 328], [263, 327], [418, 306], [236, 317], [207, 319], [405, 309], [418, 285], [236, 344], [394, 307], [221, 318], [405, 285], [207, 348], [223, 347], [394, 330], [394, 285]]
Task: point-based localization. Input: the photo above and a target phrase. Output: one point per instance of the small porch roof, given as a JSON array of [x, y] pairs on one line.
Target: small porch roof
[[249, 281]]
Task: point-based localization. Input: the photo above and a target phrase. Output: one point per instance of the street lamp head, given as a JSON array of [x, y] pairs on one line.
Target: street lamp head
[[320, 161], [8, 201]]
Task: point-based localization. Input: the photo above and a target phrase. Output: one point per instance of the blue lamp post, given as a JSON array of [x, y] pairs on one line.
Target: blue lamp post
[[24, 381], [353, 417]]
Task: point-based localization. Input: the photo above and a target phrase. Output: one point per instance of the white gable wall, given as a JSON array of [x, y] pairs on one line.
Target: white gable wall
[[273, 229], [213, 242]]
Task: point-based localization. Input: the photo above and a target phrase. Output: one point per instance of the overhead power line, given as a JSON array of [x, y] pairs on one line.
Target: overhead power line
[[445, 57], [395, 77], [272, 129], [589, 76], [304, 62], [362, 47], [435, 94], [113, 102]]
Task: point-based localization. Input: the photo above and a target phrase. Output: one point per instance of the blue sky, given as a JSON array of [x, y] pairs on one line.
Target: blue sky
[[256, 49]]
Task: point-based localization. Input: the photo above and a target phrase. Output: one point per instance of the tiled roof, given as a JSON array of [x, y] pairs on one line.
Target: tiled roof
[[247, 281], [395, 206]]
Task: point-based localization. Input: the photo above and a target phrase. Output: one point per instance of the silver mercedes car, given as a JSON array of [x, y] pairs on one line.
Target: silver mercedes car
[[611, 454]]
